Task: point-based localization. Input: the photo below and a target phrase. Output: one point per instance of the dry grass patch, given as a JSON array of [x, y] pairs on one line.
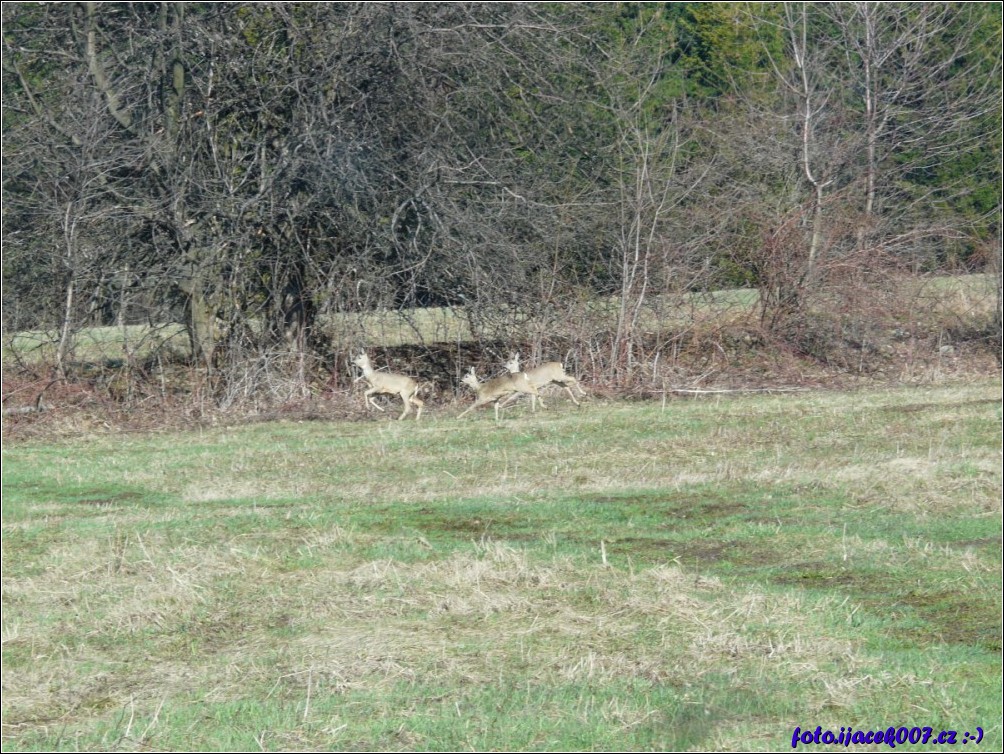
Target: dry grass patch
[[562, 621], [110, 628]]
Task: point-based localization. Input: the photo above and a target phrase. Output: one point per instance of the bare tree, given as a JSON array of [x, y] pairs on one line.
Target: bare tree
[[859, 106], [920, 86], [653, 172]]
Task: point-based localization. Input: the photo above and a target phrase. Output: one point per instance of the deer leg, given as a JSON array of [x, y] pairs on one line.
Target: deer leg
[[410, 400], [407, 407], [469, 409], [534, 397], [369, 397], [509, 399], [568, 384], [513, 397]]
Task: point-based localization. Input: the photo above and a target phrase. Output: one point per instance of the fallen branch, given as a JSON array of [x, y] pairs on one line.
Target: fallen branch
[[37, 408], [736, 390]]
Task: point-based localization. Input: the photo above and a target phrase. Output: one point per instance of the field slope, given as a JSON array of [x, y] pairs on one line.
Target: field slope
[[708, 575]]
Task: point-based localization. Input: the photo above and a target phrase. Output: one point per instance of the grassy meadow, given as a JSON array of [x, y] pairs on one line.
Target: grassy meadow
[[944, 299], [387, 327], [708, 574]]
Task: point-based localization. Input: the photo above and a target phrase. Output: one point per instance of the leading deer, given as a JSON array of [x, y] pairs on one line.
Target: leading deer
[[390, 384], [546, 374]]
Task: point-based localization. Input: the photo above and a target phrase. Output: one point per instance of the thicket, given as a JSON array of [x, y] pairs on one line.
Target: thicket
[[263, 173]]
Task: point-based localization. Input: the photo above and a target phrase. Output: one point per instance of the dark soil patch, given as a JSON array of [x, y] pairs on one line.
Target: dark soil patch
[[502, 527], [968, 619], [986, 542], [954, 618], [103, 498], [913, 408]]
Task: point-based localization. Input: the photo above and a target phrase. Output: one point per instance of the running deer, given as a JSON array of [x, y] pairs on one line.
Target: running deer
[[546, 374], [390, 384], [501, 387]]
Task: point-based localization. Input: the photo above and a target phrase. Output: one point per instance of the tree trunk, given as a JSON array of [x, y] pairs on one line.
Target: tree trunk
[[64, 335], [200, 318]]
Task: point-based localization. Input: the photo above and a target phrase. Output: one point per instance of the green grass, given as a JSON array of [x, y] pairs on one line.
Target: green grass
[[615, 577]]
